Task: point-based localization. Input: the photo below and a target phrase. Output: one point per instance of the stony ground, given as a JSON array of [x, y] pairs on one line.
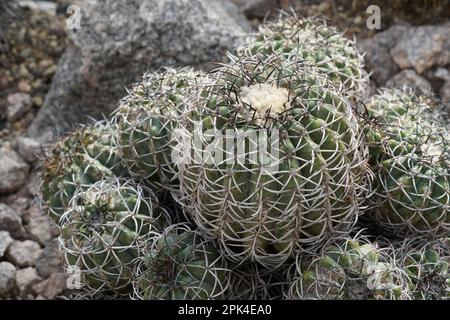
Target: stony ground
[[30, 266]]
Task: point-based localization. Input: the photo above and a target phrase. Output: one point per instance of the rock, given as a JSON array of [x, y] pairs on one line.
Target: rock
[[25, 278], [18, 104], [378, 61], [120, 40], [21, 205], [51, 287], [13, 170], [33, 212], [11, 221], [28, 148], [408, 78], [40, 230], [23, 253], [445, 92], [423, 47], [442, 73], [5, 241], [50, 261], [7, 277], [24, 86]]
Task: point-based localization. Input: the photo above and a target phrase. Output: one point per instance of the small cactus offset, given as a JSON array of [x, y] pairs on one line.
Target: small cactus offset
[[428, 268], [349, 269], [411, 161], [145, 120], [273, 176], [104, 230], [80, 159], [315, 43], [181, 265]]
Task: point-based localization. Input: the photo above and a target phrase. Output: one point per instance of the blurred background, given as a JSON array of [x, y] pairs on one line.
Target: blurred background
[[62, 62]]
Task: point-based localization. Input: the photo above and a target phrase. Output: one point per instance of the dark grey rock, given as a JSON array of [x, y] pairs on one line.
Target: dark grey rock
[[11, 221], [50, 261], [378, 61]]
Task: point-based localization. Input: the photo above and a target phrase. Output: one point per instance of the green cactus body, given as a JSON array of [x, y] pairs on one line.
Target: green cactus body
[[310, 189], [145, 121], [104, 230], [181, 265], [410, 156], [427, 265], [350, 269], [316, 44], [78, 160]]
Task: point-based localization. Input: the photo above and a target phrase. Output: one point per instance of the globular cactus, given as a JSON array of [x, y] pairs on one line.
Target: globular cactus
[[311, 40], [80, 159], [411, 161], [348, 269], [105, 229], [308, 186], [145, 120], [181, 265], [428, 266]]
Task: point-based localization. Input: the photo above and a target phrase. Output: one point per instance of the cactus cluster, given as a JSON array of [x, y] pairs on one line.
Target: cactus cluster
[[266, 178]]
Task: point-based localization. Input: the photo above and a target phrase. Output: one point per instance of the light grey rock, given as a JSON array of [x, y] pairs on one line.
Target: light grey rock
[[50, 261], [13, 170], [7, 277], [409, 78], [120, 40], [51, 287], [23, 253], [30, 149], [442, 73], [47, 6], [18, 104], [5, 241], [39, 229], [25, 279], [423, 47], [11, 221]]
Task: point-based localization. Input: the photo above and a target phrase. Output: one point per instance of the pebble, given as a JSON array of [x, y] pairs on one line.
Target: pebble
[[25, 278], [51, 287], [7, 277], [13, 171], [23, 253], [5, 241], [19, 104], [28, 148], [11, 221]]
